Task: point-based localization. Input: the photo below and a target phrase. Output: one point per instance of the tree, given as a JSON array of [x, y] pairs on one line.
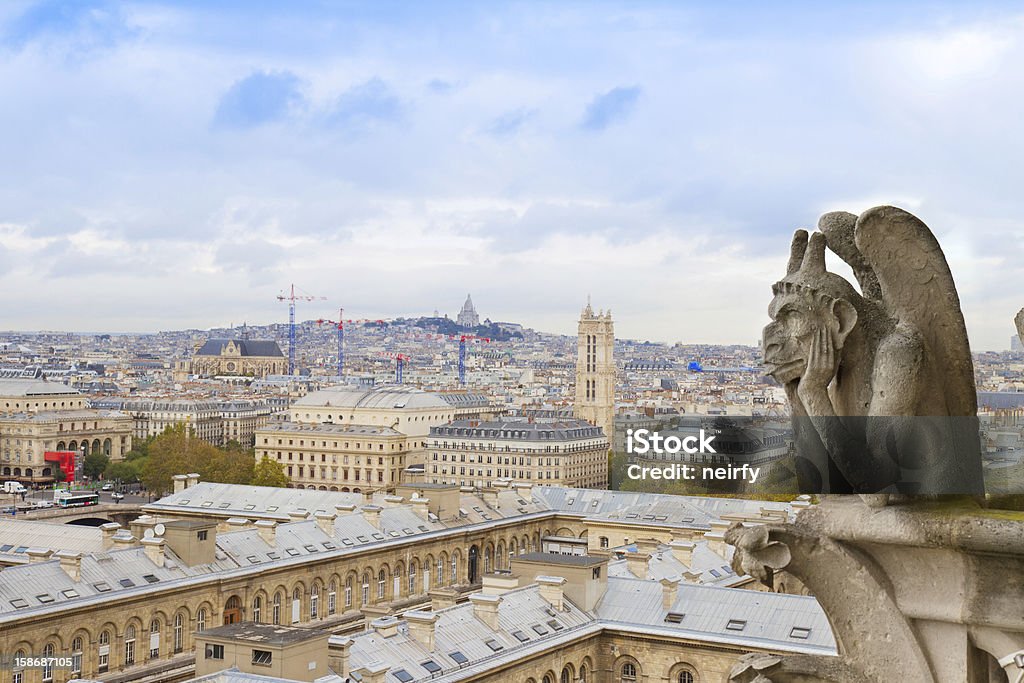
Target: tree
[[269, 473], [177, 451], [59, 475], [122, 471], [95, 464]]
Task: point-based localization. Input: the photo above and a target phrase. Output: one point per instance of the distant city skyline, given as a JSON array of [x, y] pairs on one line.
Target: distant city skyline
[[176, 165]]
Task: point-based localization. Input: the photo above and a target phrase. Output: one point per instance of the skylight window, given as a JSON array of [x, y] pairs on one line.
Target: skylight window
[[207, 504], [102, 586], [362, 539], [272, 508], [184, 502], [274, 555], [329, 546], [458, 657], [539, 630], [45, 598], [5, 548], [674, 617], [347, 541], [736, 625], [150, 578], [311, 548], [555, 624], [715, 573], [402, 675], [69, 593], [494, 645], [431, 666], [800, 632], [379, 537], [291, 551], [520, 636], [253, 559], [19, 603], [224, 506], [126, 583], [250, 507]]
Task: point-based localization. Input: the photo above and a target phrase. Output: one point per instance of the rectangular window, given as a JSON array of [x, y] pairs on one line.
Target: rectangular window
[[262, 657], [214, 651]]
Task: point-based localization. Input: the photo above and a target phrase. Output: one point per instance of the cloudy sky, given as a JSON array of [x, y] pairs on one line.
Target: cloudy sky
[[178, 164]]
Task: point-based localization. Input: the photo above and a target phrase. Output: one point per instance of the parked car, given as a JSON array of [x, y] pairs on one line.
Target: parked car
[[8, 510], [44, 504], [107, 487], [117, 496]]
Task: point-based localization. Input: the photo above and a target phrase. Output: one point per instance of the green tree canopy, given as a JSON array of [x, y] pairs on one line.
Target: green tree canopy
[[95, 464], [177, 451], [269, 473], [122, 471]]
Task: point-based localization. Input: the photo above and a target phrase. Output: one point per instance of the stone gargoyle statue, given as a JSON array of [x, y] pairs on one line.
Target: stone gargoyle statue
[[1019, 320], [880, 381]]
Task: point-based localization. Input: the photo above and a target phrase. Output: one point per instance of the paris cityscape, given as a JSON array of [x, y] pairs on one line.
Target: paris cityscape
[[377, 342]]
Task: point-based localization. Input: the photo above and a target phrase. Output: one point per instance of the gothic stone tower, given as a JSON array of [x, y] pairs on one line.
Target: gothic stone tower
[[595, 370]]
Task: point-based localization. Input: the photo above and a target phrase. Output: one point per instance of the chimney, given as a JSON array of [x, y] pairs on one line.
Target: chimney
[[374, 672], [139, 525], [371, 513], [525, 492], [485, 608], [669, 592], [109, 529], [552, 590], [441, 598], [393, 501], [496, 584], [385, 626], [71, 563], [180, 482], [37, 555], [193, 479], [421, 627], [338, 649], [716, 537], [154, 549], [268, 531], [691, 576], [367, 497], [682, 551], [490, 496], [345, 507], [647, 545], [421, 506], [636, 563], [123, 539], [325, 520], [237, 524], [298, 515]]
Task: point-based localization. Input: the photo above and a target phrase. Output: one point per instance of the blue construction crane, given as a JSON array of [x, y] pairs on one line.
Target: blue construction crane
[[291, 299], [462, 354]]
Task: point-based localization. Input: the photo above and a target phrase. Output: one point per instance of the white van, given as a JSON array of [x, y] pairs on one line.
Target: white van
[[14, 487]]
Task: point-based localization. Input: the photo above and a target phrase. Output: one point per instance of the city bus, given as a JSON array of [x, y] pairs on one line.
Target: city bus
[[72, 499]]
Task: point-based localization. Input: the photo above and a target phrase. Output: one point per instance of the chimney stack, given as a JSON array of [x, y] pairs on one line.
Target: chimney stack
[[374, 672], [123, 539], [669, 592], [325, 520], [338, 652], [496, 584], [71, 563], [298, 515], [371, 513], [37, 555], [636, 563], [268, 531], [421, 506], [193, 479], [109, 529], [180, 482], [485, 608], [552, 590], [154, 549], [345, 507], [421, 627], [682, 551], [385, 626]]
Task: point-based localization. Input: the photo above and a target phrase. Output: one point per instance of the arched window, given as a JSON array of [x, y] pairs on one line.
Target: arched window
[[129, 646], [154, 639], [332, 598], [348, 592], [440, 571], [604, 541], [366, 588], [314, 601], [566, 676], [257, 609], [18, 673], [103, 658], [396, 583], [685, 677], [76, 656], [455, 569], [487, 561], [381, 579], [48, 651], [179, 627], [583, 673], [296, 605], [276, 609], [548, 678], [628, 672], [201, 619], [412, 578]]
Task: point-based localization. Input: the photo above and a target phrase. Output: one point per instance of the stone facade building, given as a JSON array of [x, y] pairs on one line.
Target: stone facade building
[[564, 452], [595, 370], [37, 417], [234, 357], [468, 317]]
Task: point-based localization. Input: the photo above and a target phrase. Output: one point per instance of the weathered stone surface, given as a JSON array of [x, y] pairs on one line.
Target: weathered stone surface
[[896, 349], [1019, 320]]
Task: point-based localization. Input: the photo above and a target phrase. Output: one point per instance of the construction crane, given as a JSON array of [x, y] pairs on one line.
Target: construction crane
[[340, 322], [291, 299], [400, 359], [462, 354]]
